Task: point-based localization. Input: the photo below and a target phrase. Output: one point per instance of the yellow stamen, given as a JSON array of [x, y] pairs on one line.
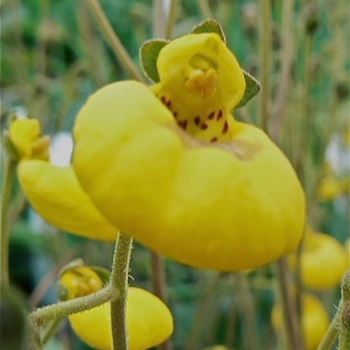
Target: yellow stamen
[[202, 83]]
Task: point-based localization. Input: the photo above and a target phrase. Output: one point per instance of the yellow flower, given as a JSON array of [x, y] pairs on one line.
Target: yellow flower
[[149, 321], [323, 261], [225, 206], [330, 187], [26, 137], [54, 192], [172, 168], [314, 324]]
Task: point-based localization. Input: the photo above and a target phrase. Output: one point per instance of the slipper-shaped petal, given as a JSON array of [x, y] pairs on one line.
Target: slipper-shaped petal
[[227, 206], [149, 322], [56, 194]]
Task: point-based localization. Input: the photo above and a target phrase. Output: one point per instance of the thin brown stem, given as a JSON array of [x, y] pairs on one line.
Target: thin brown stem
[[158, 18], [265, 56], [159, 287], [171, 18], [204, 9], [286, 62], [114, 41], [291, 320], [247, 310]]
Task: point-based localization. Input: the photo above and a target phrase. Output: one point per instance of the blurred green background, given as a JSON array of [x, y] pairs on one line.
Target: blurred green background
[[53, 57]]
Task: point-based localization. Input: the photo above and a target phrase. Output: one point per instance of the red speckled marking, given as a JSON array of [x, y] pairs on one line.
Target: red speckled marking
[[182, 124], [211, 115], [168, 104], [175, 115], [225, 128], [197, 120], [204, 126], [214, 139], [219, 116], [163, 99]]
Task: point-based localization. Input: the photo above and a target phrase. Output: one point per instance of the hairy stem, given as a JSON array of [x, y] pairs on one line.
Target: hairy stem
[[114, 41], [65, 308], [332, 333], [119, 285]]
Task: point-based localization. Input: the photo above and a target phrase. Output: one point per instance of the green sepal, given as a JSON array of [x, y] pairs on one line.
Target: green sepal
[[252, 87], [148, 57], [71, 265], [102, 273], [209, 26]]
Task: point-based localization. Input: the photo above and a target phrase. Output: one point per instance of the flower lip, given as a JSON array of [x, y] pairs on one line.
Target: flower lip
[[200, 83], [181, 196]]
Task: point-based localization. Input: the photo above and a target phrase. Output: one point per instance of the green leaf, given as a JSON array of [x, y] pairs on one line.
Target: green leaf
[[251, 89], [148, 57], [209, 26]]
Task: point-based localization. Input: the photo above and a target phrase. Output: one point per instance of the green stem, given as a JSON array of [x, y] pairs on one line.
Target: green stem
[[344, 329], [66, 308], [246, 306], [291, 320], [33, 342], [204, 9], [332, 333], [114, 41], [158, 19], [265, 52], [51, 330], [305, 114], [171, 18], [119, 285], [159, 287], [7, 185], [286, 62]]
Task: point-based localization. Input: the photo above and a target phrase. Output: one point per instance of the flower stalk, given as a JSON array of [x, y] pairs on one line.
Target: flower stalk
[[7, 185], [294, 338], [114, 41], [119, 286], [171, 18]]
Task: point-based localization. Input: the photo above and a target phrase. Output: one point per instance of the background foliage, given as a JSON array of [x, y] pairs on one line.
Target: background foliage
[[53, 57]]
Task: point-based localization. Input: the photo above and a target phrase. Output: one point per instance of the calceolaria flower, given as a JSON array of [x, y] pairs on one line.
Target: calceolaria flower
[[172, 168], [314, 323], [149, 321], [54, 192], [323, 261]]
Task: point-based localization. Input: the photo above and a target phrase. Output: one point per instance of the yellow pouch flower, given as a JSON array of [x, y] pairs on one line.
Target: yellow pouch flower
[[149, 321], [57, 195], [25, 135], [217, 195], [323, 261], [314, 324], [54, 192]]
